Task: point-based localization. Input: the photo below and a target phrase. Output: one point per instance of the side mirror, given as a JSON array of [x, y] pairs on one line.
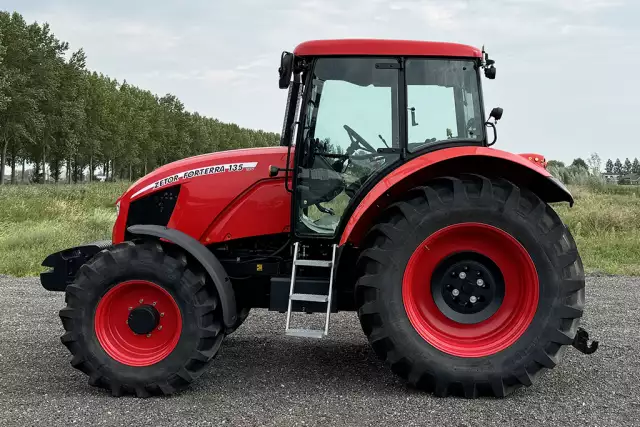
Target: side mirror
[[285, 70], [489, 69], [496, 113], [490, 72]]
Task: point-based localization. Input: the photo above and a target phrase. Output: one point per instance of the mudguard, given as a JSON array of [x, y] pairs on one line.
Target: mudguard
[[205, 257], [450, 162]]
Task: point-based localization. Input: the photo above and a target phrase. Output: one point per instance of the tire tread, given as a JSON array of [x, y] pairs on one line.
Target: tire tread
[[448, 193], [209, 337]]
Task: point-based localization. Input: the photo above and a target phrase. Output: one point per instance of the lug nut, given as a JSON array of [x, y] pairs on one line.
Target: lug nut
[[473, 299], [141, 300], [160, 327], [148, 335], [130, 308], [455, 292], [161, 314], [154, 303], [462, 275], [480, 282]]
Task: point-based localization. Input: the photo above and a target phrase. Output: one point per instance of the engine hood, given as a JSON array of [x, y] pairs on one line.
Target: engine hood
[[185, 170], [221, 196]]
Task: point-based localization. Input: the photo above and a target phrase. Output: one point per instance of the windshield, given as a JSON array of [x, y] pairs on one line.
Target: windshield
[[443, 102]]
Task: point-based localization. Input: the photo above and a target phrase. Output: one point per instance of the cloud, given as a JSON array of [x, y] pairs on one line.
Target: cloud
[[217, 56], [579, 6], [258, 62], [589, 30], [436, 14], [140, 36]]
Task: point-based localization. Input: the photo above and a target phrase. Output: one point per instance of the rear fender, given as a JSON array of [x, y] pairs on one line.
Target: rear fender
[[205, 257], [451, 162]]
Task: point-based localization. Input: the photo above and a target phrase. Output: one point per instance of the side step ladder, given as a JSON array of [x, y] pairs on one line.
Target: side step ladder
[[293, 296]]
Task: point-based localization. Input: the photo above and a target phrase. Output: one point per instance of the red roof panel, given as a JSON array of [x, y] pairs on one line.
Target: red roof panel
[[385, 48]]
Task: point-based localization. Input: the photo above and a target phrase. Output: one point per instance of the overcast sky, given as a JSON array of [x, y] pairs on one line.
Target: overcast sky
[[568, 70]]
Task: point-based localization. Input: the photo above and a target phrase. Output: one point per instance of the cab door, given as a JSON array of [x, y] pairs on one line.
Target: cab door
[[350, 130]]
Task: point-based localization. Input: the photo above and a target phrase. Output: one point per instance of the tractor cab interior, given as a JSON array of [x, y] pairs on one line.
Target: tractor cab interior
[[357, 118]]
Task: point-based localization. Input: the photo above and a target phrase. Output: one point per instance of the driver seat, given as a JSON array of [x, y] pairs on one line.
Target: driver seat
[[321, 183]]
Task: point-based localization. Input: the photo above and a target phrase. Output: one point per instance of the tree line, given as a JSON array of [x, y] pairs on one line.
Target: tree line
[[594, 165], [620, 168], [590, 171], [55, 114]]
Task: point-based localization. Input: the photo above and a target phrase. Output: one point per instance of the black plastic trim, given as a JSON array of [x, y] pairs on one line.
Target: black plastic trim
[[567, 196], [402, 109], [155, 208], [65, 264], [205, 257], [289, 115]]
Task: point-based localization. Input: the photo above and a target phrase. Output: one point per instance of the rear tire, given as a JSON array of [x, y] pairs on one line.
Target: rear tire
[[450, 351], [173, 344]]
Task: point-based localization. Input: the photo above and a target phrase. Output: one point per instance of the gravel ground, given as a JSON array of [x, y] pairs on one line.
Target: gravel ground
[[264, 378]]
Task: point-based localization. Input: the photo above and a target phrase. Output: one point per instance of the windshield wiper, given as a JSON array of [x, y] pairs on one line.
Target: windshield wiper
[[383, 141], [434, 141]]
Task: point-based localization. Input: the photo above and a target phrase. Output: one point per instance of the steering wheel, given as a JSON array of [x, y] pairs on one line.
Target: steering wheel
[[357, 142]]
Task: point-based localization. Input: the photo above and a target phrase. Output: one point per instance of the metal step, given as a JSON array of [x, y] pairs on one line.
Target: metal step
[[293, 296], [312, 263], [310, 297], [306, 333]]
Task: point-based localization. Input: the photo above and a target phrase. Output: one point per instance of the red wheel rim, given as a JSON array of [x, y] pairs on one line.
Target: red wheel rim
[[119, 341], [506, 325]]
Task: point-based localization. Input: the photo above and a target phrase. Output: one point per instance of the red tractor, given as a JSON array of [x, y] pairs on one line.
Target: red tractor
[[383, 198]]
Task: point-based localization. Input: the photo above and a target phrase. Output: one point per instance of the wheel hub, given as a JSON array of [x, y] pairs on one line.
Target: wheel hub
[[467, 287], [133, 332], [509, 264], [143, 319]]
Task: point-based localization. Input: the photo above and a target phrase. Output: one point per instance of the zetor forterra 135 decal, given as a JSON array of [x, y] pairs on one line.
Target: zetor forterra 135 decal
[[194, 173]]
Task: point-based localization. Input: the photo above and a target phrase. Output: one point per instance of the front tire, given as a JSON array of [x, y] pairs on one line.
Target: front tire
[[141, 321], [445, 333], [242, 314]]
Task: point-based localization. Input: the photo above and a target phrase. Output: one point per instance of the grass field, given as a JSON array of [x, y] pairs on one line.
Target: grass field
[[605, 222], [37, 220]]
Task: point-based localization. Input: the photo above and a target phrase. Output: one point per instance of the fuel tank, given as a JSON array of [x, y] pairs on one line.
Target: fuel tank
[[220, 196]]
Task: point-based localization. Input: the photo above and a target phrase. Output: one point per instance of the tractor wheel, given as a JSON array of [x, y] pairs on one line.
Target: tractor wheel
[[470, 287], [141, 321]]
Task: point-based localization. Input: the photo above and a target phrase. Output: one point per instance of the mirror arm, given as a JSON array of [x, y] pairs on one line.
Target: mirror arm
[[495, 133]]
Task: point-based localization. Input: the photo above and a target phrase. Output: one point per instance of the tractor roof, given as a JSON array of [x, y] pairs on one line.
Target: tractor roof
[[384, 48]]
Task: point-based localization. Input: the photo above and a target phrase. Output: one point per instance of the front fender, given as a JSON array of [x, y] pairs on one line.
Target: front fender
[[450, 162], [205, 257]]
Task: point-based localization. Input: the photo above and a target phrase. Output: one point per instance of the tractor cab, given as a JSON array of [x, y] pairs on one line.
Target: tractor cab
[[364, 107]]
